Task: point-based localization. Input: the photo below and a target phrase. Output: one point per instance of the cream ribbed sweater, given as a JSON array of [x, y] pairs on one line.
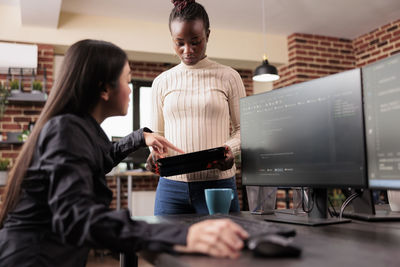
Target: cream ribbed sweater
[[192, 107]]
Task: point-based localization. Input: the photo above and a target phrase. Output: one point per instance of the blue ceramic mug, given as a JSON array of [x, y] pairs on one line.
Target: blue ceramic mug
[[218, 200]]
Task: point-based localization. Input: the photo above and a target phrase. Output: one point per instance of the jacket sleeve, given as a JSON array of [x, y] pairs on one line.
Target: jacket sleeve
[[127, 145], [79, 217]]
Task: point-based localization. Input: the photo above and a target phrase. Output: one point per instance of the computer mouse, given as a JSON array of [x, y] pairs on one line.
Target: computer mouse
[[273, 246]]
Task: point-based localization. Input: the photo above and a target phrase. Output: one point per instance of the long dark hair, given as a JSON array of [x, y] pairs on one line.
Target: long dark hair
[[89, 66], [187, 10]]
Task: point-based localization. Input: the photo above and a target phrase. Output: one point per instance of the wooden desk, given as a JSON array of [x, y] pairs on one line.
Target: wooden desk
[[352, 244]]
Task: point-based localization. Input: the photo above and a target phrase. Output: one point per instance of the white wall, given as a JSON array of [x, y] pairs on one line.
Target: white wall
[[260, 87], [143, 203], [140, 36]]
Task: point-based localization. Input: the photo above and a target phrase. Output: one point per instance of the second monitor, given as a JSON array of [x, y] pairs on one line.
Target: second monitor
[[309, 134]]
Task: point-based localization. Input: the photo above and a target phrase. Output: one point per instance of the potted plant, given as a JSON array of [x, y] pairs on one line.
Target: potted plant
[[4, 94], [22, 137], [14, 85], [37, 87], [4, 164]]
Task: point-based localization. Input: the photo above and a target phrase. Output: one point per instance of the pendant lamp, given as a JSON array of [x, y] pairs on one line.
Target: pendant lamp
[[265, 72]]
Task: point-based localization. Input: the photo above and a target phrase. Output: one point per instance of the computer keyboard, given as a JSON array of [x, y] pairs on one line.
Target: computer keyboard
[[253, 226]]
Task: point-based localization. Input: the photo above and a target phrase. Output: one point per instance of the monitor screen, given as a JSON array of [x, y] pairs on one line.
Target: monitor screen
[[381, 83], [308, 134]]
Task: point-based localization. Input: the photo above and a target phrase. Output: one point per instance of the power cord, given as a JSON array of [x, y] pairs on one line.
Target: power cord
[[347, 202], [306, 198]]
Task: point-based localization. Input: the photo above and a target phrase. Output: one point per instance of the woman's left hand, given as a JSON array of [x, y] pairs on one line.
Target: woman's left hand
[[227, 162]]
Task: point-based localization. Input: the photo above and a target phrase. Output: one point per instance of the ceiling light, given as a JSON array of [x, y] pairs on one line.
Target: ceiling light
[[265, 72]]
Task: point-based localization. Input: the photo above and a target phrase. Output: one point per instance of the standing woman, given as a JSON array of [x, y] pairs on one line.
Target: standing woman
[[56, 205], [193, 104]]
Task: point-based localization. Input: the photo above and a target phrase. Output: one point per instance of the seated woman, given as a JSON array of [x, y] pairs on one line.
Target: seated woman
[[56, 205]]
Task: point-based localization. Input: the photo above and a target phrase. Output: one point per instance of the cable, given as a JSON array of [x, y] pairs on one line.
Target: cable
[[347, 202], [297, 198], [308, 201]]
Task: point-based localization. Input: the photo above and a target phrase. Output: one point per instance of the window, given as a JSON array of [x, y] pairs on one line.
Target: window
[[119, 126], [138, 115], [142, 104]]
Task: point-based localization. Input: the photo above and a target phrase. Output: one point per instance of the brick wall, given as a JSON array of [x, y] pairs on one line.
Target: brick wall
[[314, 56], [147, 70], [18, 115], [377, 44]]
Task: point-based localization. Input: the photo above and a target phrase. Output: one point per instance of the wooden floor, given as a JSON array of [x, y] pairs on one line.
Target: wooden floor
[[108, 260]]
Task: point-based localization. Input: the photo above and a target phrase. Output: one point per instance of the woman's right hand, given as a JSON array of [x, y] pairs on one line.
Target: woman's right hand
[[219, 238]]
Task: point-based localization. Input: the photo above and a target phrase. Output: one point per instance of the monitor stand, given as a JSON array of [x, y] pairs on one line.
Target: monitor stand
[[265, 201], [317, 216], [364, 209]]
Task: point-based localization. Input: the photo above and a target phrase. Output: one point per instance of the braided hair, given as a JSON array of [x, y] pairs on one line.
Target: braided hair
[[187, 10]]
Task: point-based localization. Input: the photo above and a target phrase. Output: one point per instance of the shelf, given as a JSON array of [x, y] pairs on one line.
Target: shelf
[[6, 143], [37, 97]]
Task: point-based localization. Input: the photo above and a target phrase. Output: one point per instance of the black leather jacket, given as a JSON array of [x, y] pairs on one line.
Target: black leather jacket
[[63, 208]]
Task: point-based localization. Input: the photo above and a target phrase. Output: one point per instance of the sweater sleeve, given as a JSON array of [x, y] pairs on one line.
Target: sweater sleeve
[[157, 116], [236, 91]]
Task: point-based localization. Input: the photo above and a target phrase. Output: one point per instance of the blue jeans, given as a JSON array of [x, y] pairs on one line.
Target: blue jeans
[[174, 197]]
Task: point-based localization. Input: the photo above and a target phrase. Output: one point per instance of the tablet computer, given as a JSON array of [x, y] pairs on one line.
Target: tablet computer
[[190, 162]]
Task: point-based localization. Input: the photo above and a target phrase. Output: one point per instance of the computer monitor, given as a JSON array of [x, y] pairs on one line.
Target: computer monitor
[[309, 134], [381, 88], [381, 83]]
